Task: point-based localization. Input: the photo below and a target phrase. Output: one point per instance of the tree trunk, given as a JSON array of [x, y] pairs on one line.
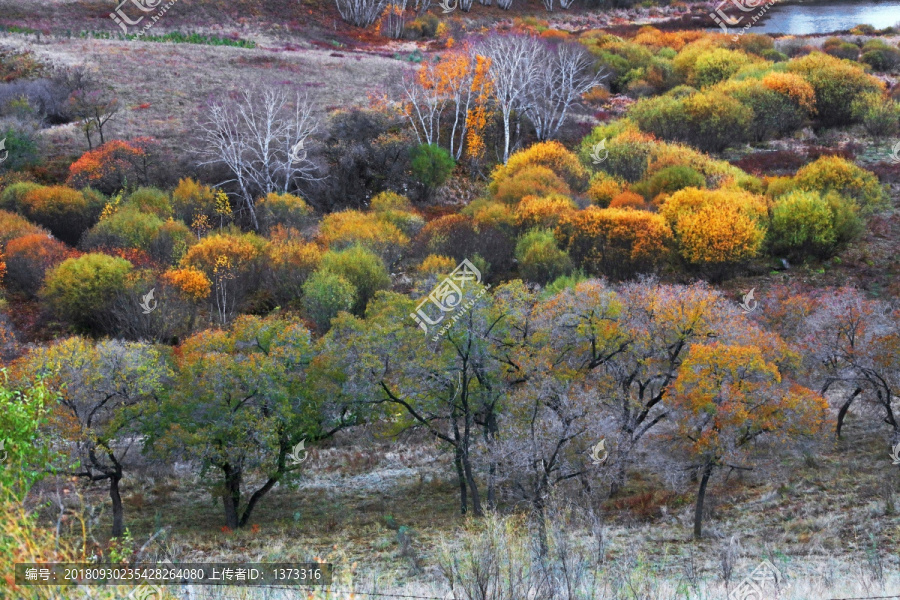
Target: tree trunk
[[473, 486], [701, 496], [231, 496], [843, 411], [462, 482], [118, 527]]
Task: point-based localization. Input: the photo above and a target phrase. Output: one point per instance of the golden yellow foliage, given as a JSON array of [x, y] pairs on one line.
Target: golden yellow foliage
[[543, 211], [552, 155], [435, 264], [715, 227], [192, 283]]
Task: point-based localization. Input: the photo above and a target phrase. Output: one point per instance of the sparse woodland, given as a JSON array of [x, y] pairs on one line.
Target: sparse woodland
[[686, 254]]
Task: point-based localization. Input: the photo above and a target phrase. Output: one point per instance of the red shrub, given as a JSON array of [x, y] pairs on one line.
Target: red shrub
[[29, 257]]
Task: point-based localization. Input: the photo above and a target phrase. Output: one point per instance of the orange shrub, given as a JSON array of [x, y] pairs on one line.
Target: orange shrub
[[108, 167], [603, 189], [191, 283], [62, 210], [794, 87], [29, 257], [13, 226], [543, 212], [244, 252], [615, 242], [628, 200], [191, 199]]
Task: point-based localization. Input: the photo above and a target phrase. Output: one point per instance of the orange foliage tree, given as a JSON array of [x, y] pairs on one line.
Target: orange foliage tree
[[728, 397], [454, 90], [108, 167]]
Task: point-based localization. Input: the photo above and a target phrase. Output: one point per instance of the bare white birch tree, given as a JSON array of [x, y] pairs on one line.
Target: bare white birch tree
[[564, 73], [514, 64], [433, 96], [361, 13], [262, 139]]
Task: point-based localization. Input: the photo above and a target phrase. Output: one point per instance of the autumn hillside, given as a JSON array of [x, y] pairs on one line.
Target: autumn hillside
[[521, 300]]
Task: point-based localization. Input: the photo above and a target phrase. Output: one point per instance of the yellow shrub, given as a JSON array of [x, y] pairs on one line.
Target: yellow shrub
[[716, 227], [242, 252], [543, 212], [435, 264], [346, 228], [603, 189], [615, 242], [794, 87], [551, 155]]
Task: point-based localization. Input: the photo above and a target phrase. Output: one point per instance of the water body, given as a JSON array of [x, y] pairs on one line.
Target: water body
[[808, 19]]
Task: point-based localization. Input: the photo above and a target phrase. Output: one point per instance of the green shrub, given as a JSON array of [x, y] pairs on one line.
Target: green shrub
[[672, 179], [832, 173], [171, 242], [879, 115], [22, 144], [126, 228], [150, 200], [540, 259], [325, 295], [283, 209], [431, 165], [774, 55], [880, 56], [81, 290], [804, 224], [362, 268], [13, 195], [836, 83], [717, 65]]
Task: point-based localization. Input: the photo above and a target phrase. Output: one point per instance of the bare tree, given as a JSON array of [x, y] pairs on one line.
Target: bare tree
[[514, 64], [262, 140], [505, 4], [361, 13], [565, 72], [94, 107]]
